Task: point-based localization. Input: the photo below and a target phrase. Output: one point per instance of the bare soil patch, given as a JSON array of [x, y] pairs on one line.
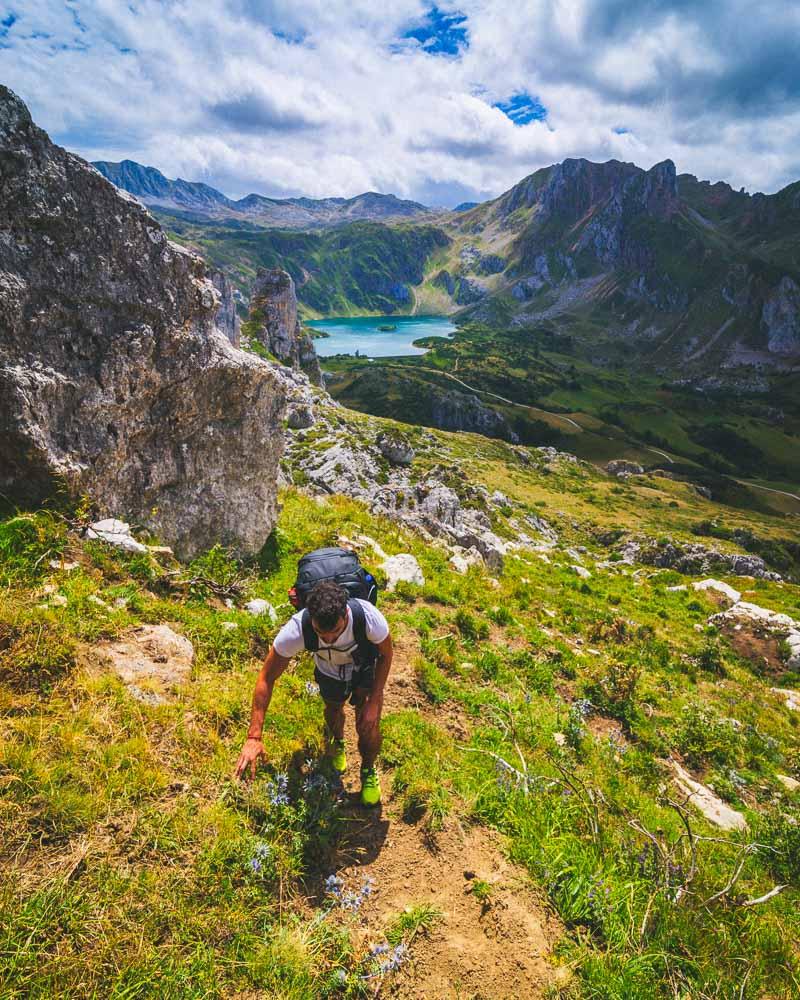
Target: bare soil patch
[[493, 950], [762, 650], [403, 690]]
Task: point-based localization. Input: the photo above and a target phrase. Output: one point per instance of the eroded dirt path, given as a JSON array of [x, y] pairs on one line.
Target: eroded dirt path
[[494, 936]]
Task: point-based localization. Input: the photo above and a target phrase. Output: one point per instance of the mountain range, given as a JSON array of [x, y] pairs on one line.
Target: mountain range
[[154, 189], [672, 270], [639, 266]]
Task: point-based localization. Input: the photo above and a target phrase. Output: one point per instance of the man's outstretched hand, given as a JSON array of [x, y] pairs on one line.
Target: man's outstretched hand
[[252, 750]]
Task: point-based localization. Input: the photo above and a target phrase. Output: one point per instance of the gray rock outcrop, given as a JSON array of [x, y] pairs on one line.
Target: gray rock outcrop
[[118, 376], [780, 318], [395, 448], [694, 558], [452, 410], [274, 323], [623, 468]]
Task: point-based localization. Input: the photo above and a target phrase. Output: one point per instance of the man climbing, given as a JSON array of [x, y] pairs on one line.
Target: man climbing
[[352, 656]]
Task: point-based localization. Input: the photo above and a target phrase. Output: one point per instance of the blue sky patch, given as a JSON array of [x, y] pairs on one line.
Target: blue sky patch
[[7, 23], [522, 108], [290, 37], [620, 130], [441, 33]]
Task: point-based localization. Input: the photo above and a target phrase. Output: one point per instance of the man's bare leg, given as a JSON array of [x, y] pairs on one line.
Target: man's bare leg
[[369, 737], [334, 720]]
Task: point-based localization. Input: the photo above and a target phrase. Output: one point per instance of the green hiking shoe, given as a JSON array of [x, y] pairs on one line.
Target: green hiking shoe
[[370, 787], [338, 756]]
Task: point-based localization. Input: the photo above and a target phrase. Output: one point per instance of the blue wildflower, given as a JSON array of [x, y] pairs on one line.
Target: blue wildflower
[[395, 960], [278, 790], [333, 885]]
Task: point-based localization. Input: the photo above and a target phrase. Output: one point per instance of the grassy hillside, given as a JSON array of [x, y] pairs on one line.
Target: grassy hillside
[[354, 269], [528, 717], [553, 387]]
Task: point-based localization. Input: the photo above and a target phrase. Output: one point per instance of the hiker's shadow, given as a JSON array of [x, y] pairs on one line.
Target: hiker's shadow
[[361, 836], [363, 833]]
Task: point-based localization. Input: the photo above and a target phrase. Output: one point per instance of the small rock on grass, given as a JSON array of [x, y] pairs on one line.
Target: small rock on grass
[[709, 804], [258, 607], [402, 568], [64, 567], [581, 571], [149, 653], [116, 533], [721, 588], [790, 698], [791, 784]]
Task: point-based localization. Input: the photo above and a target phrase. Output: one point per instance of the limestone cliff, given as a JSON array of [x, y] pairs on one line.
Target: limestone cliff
[[274, 324], [118, 374]]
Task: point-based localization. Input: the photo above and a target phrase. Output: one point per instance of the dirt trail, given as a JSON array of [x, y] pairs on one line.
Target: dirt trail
[[492, 950], [503, 399]]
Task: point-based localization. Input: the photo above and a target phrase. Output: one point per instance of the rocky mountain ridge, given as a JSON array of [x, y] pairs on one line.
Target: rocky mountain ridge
[[646, 265], [273, 323], [638, 263], [150, 186]]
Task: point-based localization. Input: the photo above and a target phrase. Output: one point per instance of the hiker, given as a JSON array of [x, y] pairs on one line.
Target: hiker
[[352, 656]]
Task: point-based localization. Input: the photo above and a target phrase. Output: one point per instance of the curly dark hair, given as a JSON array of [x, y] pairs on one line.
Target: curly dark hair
[[327, 603]]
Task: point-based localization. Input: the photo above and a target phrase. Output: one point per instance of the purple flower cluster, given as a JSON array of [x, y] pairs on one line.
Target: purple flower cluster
[[316, 783], [509, 779], [311, 688], [616, 745], [393, 960], [278, 790], [736, 779], [349, 900], [583, 707], [598, 896]]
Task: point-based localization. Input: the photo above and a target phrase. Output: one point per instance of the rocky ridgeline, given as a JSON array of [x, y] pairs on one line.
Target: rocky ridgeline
[[118, 371], [376, 467]]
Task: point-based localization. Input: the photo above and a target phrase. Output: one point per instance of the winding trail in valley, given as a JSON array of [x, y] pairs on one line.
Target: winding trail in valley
[[767, 489], [485, 392], [573, 423], [663, 454]]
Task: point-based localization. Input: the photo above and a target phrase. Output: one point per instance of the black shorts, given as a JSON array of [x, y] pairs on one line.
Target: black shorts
[[338, 692]]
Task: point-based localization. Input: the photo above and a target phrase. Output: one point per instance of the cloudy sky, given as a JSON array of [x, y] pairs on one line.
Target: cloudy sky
[[441, 103]]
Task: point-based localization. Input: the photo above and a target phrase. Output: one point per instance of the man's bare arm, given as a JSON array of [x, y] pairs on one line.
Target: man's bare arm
[[273, 666]]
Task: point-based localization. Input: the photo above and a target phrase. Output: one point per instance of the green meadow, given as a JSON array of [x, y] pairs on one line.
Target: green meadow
[[135, 867]]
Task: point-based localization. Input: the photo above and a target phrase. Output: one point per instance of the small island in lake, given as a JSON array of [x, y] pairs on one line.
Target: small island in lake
[[388, 326]]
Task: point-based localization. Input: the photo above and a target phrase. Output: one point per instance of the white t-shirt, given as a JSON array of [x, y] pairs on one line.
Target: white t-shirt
[[336, 660]]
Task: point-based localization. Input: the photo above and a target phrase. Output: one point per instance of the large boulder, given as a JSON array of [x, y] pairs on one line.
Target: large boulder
[[395, 448], [118, 375]]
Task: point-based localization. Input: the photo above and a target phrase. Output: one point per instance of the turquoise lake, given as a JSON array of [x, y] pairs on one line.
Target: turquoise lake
[[346, 335]]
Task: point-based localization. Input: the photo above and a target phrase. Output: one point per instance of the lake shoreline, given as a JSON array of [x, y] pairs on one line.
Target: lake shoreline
[[378, 336]]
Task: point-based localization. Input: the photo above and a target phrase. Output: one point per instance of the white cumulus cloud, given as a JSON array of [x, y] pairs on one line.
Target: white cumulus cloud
[[334, 98]]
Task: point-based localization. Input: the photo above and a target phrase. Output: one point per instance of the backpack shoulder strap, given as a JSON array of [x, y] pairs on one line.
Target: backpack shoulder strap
[[310, 637], [367, 650], [359, 622]]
